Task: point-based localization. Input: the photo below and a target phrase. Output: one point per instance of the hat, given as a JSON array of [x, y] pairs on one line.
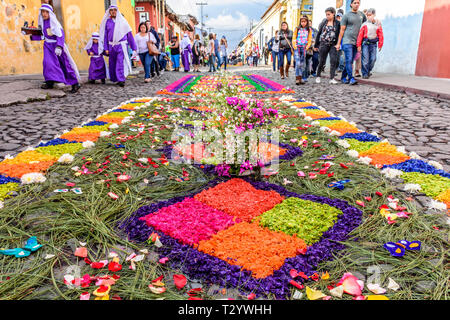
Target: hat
[[339, 14]]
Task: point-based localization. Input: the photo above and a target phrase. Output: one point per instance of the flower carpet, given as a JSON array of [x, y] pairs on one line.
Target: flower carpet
[[109, 200], [238, 242], [202, 85]]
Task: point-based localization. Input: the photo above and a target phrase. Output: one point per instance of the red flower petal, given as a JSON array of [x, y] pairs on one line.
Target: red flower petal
[[293, 273], [296, 284], [179, 280]]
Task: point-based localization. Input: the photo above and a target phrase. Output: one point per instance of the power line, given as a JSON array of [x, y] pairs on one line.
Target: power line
[[201, 4]]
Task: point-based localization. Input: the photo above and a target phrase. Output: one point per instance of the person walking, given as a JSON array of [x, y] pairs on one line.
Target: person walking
[[97, 66], [312, 57], [175, 53], [370, 36], [303, 41], [211, 53], [266, 54], [115, 36], [217, 52], [186, 52], [141, 38], [58, 65], [341, 57], [196, 53], [274, 47], [326, 41], [285, 50], [350, 26], [255, 54], [223, 52]]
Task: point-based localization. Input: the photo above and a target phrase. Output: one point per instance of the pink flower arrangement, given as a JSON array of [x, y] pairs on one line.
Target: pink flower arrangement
[[190, 221]]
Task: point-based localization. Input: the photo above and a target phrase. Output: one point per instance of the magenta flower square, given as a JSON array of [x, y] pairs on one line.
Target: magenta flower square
[[190, 221]]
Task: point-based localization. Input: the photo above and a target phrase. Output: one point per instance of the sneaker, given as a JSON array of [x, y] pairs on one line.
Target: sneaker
[[344, 81], [332, 81], [353, 81], [318, 80], [305, 80], [365, 77]]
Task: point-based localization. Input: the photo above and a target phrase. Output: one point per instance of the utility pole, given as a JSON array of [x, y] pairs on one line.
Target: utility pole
[[201, 4]]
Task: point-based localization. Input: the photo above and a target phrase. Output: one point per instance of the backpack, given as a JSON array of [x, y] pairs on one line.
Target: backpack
[[270, 44]]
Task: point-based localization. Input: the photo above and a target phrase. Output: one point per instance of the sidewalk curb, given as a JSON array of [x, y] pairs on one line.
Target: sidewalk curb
[[404, 89]]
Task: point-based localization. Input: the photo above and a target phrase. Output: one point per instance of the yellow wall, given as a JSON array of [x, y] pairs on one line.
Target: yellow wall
[[80, 19], [18, 55]]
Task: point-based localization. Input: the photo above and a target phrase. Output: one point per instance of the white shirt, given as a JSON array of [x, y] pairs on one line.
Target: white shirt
[[141, 41]]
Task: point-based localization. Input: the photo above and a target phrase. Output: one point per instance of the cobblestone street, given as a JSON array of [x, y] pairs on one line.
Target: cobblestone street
[[417, 122]]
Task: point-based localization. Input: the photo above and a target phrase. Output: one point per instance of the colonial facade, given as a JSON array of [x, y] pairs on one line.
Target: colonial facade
[[279, 11], [79, 19], [164, 19]]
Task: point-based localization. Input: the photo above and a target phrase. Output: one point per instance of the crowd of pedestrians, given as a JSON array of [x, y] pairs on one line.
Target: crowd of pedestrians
[[349, 40]]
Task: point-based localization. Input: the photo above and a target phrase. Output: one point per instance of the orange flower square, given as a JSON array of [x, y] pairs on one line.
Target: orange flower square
[[252, 247]]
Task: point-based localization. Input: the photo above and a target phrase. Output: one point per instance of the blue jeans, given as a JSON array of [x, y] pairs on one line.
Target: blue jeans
[[162, 61], [176, 60], [275, 61], [218, 61], [212, 65], [224, 61], [369, 57], [350, 53], [300, 61], [146, 60], [284, 53]]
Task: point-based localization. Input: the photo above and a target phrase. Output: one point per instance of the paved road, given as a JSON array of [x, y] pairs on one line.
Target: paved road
[[421, 124], [24, 125], [416, 122]]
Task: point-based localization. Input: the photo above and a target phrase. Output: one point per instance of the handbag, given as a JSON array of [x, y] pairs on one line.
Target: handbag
[[292, 49], [152, 49]]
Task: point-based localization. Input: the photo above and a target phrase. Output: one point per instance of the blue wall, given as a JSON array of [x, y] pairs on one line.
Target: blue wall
[[401, 44]]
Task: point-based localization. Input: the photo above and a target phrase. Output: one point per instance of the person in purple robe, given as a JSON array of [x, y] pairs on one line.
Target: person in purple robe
[[97, 68], [58, 65], [115, 36], [186, 52]]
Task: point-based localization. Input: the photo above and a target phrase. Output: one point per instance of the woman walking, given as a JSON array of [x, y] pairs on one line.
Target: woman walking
[[303, 41], [223, 52], [211, 53], [326, 41], [274, 47], [175, 53], [285, 49], [196, 54], [141, 39]]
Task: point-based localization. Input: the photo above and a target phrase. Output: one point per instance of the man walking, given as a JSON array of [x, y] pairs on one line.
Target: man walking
[[350, 26], [115, 35], [217, 52]]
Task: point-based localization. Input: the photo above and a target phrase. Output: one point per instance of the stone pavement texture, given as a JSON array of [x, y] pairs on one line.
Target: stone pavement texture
[[420, 123]]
